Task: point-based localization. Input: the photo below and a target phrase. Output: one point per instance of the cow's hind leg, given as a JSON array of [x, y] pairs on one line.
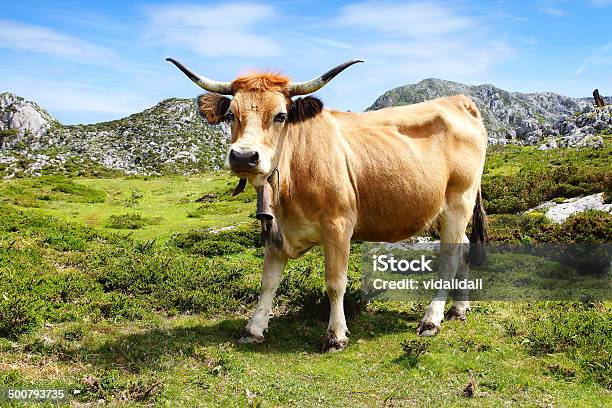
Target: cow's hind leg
[[337, 248], [461, 302], [274, 264], [453, 222]]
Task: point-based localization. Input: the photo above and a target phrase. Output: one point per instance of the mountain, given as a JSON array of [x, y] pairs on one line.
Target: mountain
[[511, 116], [167, 138], [19, 117], [171, 138]]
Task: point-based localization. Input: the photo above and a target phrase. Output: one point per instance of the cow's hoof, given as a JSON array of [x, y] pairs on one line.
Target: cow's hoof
[[331, 345], [248, 338], [428, 329], [454, 314]]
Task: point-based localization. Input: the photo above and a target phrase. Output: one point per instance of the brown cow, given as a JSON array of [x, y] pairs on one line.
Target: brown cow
[[376, 176]]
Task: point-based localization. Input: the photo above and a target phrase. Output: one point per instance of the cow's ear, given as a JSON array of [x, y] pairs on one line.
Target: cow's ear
[[212, 107], [304, 108]]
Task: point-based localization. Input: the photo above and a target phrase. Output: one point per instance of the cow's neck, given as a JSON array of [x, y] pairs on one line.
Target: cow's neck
[[302, 150]]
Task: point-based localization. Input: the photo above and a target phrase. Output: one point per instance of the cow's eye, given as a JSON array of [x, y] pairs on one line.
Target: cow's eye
[[281, 117], [229, 116]]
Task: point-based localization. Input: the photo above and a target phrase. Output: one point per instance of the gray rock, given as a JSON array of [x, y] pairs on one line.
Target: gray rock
[[560, 212], [24, 116]]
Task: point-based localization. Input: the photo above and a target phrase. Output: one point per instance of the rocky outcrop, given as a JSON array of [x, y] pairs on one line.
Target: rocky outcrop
[[24, 117], [581, 129], [508, 116], [559, 212]]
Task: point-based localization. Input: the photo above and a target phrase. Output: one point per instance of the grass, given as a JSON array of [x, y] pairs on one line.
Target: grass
[[169, 200], [519, 178], [149, 316]]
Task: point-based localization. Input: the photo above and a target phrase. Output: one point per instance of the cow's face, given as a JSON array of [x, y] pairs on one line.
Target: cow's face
[[258, 122], [258, 114]]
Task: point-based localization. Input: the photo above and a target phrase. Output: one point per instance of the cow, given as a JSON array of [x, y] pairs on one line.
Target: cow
[[382, 175]]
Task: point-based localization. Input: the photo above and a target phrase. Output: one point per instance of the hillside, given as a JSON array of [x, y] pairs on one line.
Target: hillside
[[513, 116], [167, 138], [170, 137]]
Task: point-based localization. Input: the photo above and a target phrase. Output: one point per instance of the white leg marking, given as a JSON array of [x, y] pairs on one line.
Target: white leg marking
[[274, 264], [453, 221], [461, 302], [337, 248]]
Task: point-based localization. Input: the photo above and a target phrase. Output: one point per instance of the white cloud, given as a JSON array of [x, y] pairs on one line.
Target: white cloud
[[601, 56], [416, 20], [318, 40], [67, 98], [213, 31], [424, 39], [601, 3], [553, 11], [26, 37]]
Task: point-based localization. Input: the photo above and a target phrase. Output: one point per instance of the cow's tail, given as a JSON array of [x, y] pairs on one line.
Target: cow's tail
[[479, 235]]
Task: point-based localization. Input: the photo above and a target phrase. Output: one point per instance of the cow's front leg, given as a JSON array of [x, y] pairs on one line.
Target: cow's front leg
[[274, 264], [337, 248]]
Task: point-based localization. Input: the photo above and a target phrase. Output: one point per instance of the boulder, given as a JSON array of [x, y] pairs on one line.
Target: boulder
[[559, 212]]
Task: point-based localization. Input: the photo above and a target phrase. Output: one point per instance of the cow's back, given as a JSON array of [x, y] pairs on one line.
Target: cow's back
[[404, 159]]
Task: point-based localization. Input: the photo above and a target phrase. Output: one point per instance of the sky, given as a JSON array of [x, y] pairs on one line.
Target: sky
[[93, 61]]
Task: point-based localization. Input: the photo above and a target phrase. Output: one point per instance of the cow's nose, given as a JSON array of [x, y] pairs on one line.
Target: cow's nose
[[243, 160]]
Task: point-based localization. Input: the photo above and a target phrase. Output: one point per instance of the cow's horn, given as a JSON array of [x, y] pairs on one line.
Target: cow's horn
[[223, 88], [303, 88]]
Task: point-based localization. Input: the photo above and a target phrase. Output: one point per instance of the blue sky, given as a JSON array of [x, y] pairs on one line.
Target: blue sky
[[92, 61]]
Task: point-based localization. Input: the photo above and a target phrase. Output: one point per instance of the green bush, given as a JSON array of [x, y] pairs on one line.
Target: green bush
[[585, 227], [247, 235], [18, 314], [129, 221], [78, 192], [581, 330], [65, 241], [519, 178], [36, 191], [216, 248]]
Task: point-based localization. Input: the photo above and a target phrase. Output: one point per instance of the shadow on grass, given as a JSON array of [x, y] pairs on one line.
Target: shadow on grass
[[154, 349]]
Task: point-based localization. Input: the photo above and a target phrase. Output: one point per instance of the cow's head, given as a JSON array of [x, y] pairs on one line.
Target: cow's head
[[259, 112]]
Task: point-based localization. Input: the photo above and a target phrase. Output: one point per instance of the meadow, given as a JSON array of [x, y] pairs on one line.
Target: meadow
[[129, 291]]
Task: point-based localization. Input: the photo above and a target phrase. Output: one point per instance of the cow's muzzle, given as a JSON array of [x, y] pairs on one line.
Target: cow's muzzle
[[243, 161]]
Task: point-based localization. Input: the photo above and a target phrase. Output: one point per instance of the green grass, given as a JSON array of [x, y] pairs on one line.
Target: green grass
[[150, 315], [518, 178], [169, 200]]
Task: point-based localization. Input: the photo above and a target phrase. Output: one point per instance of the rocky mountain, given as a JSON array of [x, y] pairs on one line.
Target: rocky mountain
[[171, 138], [167, 138], [513, 116], [19, 117]]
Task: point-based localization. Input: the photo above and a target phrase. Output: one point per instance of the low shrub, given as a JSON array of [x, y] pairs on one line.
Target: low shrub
[[519, 178], [581, 330], [36, 191], [247, 235], [18, 314], [65, 241], [584, 227], [216, 248], [77, 192], [129, 221]]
